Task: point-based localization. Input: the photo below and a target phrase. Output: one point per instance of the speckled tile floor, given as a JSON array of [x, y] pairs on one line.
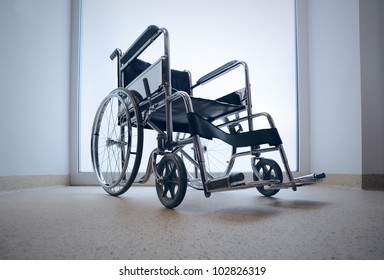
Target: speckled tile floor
[[316, 222]]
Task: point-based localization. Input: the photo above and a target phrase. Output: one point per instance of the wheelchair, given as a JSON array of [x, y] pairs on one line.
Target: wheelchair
[[152, 96]]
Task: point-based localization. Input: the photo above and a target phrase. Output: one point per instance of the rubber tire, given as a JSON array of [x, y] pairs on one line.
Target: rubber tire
[[171, 180], [117, 149], [268, 166]]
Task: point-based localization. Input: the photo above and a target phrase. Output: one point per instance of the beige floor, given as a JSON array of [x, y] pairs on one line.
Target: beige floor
[[316, 222]]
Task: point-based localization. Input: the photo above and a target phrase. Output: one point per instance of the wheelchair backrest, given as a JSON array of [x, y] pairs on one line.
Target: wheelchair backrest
[[138, 70], [153, 82], [149, 81]]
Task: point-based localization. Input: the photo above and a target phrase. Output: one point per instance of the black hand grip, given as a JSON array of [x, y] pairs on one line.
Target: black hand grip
[[114, 54]]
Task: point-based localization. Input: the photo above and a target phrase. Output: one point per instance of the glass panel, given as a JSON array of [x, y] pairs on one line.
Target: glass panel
[[203, 36]]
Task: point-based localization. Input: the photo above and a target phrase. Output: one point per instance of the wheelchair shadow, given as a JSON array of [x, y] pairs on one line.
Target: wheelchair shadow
[[221, 207], [253, 209], [235, 211], [239, 215], [267, 208], [281, 203]]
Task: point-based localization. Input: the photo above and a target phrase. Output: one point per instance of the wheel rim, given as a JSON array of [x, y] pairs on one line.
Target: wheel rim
[[268, 170], [171, 182], [116, 140]]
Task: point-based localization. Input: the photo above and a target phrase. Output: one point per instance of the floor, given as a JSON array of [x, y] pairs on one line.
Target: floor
[[316, 222]]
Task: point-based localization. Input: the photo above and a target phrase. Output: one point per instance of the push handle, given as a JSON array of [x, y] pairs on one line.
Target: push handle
[[115, 53]]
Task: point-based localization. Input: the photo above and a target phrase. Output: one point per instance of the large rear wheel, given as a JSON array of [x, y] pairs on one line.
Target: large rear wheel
[[117, 141]]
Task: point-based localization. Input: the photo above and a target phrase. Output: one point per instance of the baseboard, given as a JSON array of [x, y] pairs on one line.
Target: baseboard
[[350, 180], [373, 181], [8, 183], [362, 181]]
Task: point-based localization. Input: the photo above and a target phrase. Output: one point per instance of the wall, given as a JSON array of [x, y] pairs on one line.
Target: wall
[[345, 62], [334, 75], [372, 90], [372, 85], [34, 78]]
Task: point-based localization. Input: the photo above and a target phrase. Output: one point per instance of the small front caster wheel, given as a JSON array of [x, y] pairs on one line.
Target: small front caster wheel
[[171, 181], [268, 169]]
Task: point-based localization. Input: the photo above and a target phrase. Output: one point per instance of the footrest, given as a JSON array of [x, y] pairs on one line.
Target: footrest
[[300, 181], [224, 181]]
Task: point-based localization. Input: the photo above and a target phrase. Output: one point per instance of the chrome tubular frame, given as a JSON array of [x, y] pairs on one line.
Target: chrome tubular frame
[[166, 141]]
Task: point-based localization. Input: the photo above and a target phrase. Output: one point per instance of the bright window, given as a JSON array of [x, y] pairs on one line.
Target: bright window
[[203, 35]]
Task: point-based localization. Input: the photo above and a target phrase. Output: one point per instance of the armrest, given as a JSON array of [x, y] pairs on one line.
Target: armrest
[[217, 72], [141, 43]]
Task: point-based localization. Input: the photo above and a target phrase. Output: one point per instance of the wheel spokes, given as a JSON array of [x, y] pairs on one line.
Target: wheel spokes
[[170, 180], [116, 143]]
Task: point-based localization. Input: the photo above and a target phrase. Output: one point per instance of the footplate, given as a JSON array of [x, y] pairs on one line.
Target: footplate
[[235, 181], [298, 182]]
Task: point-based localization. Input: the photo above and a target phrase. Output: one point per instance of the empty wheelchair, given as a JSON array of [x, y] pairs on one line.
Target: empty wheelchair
[[152, 96]]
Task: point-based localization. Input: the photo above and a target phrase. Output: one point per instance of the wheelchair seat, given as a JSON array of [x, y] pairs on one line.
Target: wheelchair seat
[[207, 109]]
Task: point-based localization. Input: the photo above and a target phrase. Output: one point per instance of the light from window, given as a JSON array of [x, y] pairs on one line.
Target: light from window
[[203, 35]]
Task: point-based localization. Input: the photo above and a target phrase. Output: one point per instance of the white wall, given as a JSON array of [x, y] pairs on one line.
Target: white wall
[[34, 79], [334, 85], [346, 84]]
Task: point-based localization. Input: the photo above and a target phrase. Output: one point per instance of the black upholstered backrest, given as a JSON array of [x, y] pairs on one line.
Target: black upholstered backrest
[[180, 79]]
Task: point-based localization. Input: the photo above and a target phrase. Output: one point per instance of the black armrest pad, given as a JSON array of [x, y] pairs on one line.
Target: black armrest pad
[[217, 72]]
